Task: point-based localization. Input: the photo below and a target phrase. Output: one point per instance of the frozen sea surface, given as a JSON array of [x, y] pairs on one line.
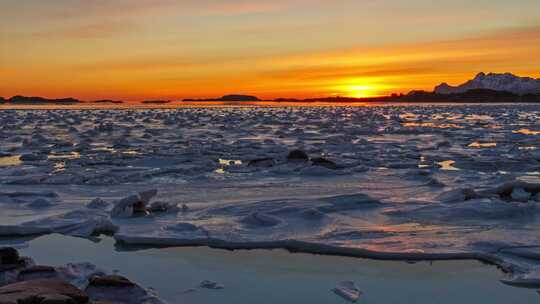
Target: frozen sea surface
[[393, 182]]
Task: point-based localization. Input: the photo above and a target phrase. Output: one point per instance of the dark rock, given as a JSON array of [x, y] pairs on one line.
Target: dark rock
[[110, 281], [10, 260], [262, 162], [117, 289], [9, 255], [298, 155], [33, 157], [323, 162], [43, 291]]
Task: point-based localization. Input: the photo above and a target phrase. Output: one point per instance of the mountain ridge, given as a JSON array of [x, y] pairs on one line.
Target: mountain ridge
[[507, 82]]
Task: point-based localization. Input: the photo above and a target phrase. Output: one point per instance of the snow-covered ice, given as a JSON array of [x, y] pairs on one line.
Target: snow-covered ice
[[388, 182]]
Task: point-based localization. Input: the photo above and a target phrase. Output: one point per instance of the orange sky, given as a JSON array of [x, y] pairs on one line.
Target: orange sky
[[165, 49]]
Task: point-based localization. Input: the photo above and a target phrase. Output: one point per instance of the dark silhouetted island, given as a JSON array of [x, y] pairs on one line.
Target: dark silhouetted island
[[155, 101], [230, 98], [107, 101], [40, 100], [25, 100]]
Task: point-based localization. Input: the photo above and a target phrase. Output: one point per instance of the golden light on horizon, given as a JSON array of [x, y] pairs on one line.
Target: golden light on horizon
[[359, 91], [359, 88]]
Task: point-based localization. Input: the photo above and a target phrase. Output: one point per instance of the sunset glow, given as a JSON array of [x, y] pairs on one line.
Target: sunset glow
[[163, 49]]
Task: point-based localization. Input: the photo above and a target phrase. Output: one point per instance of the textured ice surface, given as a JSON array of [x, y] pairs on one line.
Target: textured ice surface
[[393, 182]]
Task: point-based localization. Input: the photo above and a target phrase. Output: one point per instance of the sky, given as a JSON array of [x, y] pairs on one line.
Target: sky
[[172, 49]]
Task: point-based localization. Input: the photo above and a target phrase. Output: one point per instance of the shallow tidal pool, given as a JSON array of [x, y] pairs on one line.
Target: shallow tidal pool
[[276, 276]]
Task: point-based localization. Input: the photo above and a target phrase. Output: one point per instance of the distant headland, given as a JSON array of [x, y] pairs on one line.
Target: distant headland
[[484, 88]]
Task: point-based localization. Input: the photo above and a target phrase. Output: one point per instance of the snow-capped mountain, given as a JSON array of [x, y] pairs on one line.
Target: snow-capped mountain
[[492, 81]]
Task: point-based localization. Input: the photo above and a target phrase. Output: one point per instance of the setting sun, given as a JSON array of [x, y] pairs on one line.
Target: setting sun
[[359, 91], [358, 88]]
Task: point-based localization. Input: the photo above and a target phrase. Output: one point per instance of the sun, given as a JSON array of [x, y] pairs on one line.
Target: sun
[[358, 87], [359, 91]]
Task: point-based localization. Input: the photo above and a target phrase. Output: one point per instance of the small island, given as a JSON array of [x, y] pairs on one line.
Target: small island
[[109, 101], [229, 98], [24, 100], [155, 102]]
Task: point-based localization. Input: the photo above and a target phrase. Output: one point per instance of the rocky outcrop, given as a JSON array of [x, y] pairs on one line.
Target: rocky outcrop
[[297, 156], [42, 291], [118, 289], [23, 282]]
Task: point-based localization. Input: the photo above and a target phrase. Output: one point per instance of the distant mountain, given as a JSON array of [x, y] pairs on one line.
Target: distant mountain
[[40, 100], [2, 100], [229, 98], [497, 82]]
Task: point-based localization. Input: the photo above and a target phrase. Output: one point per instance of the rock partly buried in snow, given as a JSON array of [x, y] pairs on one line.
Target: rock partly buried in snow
[[458, 195], [147, 195], [348, 290], [98, 203], [42, 291], [40, 203], [297, 156], [160, 207], [118, 289], [133, 205], [518, 191], [33, 157], [520, 195], [211, 285], [258, 219], [323, 162], [262, 162]]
